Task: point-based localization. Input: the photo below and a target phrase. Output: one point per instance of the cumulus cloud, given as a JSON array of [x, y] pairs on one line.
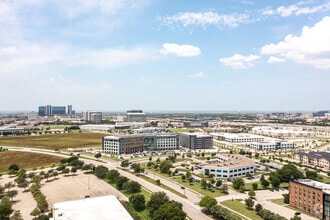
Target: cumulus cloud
[[297, 9], [197, 75], [184, 50], [204, 19], [239, 61], [311, 47], [273, 59]]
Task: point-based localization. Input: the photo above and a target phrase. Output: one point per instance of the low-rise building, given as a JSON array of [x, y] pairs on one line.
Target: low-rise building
[[272, 145], [238, 138], [105, 207], [229, 166], [310, 196]]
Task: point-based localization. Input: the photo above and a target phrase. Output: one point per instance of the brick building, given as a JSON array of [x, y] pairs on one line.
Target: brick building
[[311, 196]]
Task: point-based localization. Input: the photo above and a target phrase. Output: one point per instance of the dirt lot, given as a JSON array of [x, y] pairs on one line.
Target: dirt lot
[[63, 188]]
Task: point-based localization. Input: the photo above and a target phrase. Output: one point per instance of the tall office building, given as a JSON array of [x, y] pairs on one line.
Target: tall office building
[[42, 111], [93, 116], [48, 109], [70, 110], [195, 140]]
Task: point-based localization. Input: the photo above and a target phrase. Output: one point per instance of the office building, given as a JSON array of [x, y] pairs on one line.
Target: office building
[[271, 145], [229, 166], [196, 124], [237, 138], [93, 116], [195, 140], [70, 111], [136, 116], [310, 196], [49, 110], [133, 143]]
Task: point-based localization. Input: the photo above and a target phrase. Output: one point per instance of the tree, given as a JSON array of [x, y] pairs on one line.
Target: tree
[[138, 202], [206, 172], [5, 208], [137, 168], [124, 163], [203, 183], [101, 171], [73, 170], [286, 198], [9, 185], [170, 210], [218, 183], [254, 186], [311, 174], [249, 203], [251, 193], [156, 200], [165, 166], [183, 178], [112, 175], [35, 212], [120, 182], [258, 208], [11, 194], [158, 182], [275, 182], [208, 202], [238, 183], [13, 167], [17, 215], [132, 187], [289, 171], [98, 155]]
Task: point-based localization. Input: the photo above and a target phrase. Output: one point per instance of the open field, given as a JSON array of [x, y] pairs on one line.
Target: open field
[[25, 160], [59, 141]]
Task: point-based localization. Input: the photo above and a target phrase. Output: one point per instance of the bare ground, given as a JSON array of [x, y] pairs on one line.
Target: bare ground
[[63, 188]]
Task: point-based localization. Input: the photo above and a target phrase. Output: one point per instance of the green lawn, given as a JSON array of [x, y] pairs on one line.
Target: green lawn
[[162, 186], [278, 202], [240, 207], [197, 187]]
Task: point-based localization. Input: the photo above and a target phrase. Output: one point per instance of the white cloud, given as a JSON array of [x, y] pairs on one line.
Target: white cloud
[[239, 61], [273, 59], [180, 50], [204, 19], [311, 47], [197, 75], [297, 9]]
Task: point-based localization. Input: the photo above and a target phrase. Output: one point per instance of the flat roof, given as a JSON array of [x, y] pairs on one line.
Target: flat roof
[[237, 135], [105, 208], [234, 160]]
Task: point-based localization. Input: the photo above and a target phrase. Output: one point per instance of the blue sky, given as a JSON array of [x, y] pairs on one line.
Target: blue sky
[[216, 55]]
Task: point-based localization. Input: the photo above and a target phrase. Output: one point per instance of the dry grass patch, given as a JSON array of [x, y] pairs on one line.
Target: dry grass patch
[[59, 141], [25, 160]]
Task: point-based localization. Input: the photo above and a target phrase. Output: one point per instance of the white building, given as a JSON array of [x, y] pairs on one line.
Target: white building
[[105, 208], [93, 116], [237, 137], [230, 166], [272, 145], [279, 132]]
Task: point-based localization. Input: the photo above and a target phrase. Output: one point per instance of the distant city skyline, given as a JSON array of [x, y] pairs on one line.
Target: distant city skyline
[[237, 56]]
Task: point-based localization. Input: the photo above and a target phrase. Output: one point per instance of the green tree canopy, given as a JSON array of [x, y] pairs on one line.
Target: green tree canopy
[[5, 208], [238, 183], [168, 211], [138, 202], [156, 200]]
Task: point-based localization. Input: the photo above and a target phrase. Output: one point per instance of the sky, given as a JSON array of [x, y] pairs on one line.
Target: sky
[[165, 55]]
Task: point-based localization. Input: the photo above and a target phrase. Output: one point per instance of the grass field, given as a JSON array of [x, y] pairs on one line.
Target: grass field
[[240, 207], [60, 141], [25, 160]]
